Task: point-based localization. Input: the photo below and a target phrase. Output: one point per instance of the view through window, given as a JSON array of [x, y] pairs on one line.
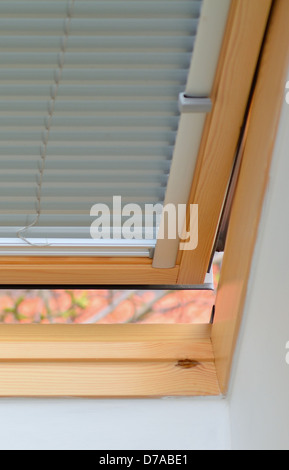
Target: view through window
[[79, 306]]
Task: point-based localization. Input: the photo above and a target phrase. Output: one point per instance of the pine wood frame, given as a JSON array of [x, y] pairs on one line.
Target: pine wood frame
[[237, 64], [107, 361], [153, 361], [262, 131]]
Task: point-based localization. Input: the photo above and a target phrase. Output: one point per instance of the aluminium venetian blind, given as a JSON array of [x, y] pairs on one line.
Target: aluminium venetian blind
[[92, 88]]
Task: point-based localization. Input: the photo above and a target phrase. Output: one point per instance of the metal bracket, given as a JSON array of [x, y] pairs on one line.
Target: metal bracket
[[188, 104]]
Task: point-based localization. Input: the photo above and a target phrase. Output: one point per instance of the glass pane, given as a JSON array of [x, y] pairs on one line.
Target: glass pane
[[107, 306]]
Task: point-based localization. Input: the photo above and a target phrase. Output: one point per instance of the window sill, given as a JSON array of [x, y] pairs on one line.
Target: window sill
[[107, 361]]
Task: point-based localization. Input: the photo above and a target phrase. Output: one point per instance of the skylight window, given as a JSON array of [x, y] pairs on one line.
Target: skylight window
[[90, 115]]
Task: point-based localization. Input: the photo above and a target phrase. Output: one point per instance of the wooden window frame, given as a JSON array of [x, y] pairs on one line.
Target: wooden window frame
[[241, 47], [168, 360]]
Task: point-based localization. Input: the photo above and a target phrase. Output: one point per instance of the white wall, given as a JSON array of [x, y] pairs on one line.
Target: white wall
[[189, 424], [259, 394]]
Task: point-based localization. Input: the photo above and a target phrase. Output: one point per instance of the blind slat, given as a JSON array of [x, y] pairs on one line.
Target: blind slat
[[84, 75], [124, 9], [62, 193], [94, 27], [95, 92], [99, 43], [71, 205], [49, 221], [98, 59], [140, 163], [93, 151], [76, 178], [85, 136], [114, 123], [93, 107]]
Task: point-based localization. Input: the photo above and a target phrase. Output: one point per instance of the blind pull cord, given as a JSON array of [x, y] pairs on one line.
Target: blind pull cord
[[45, 138]]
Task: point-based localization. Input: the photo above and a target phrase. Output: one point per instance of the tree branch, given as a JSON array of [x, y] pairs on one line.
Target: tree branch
[[110, 308]]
